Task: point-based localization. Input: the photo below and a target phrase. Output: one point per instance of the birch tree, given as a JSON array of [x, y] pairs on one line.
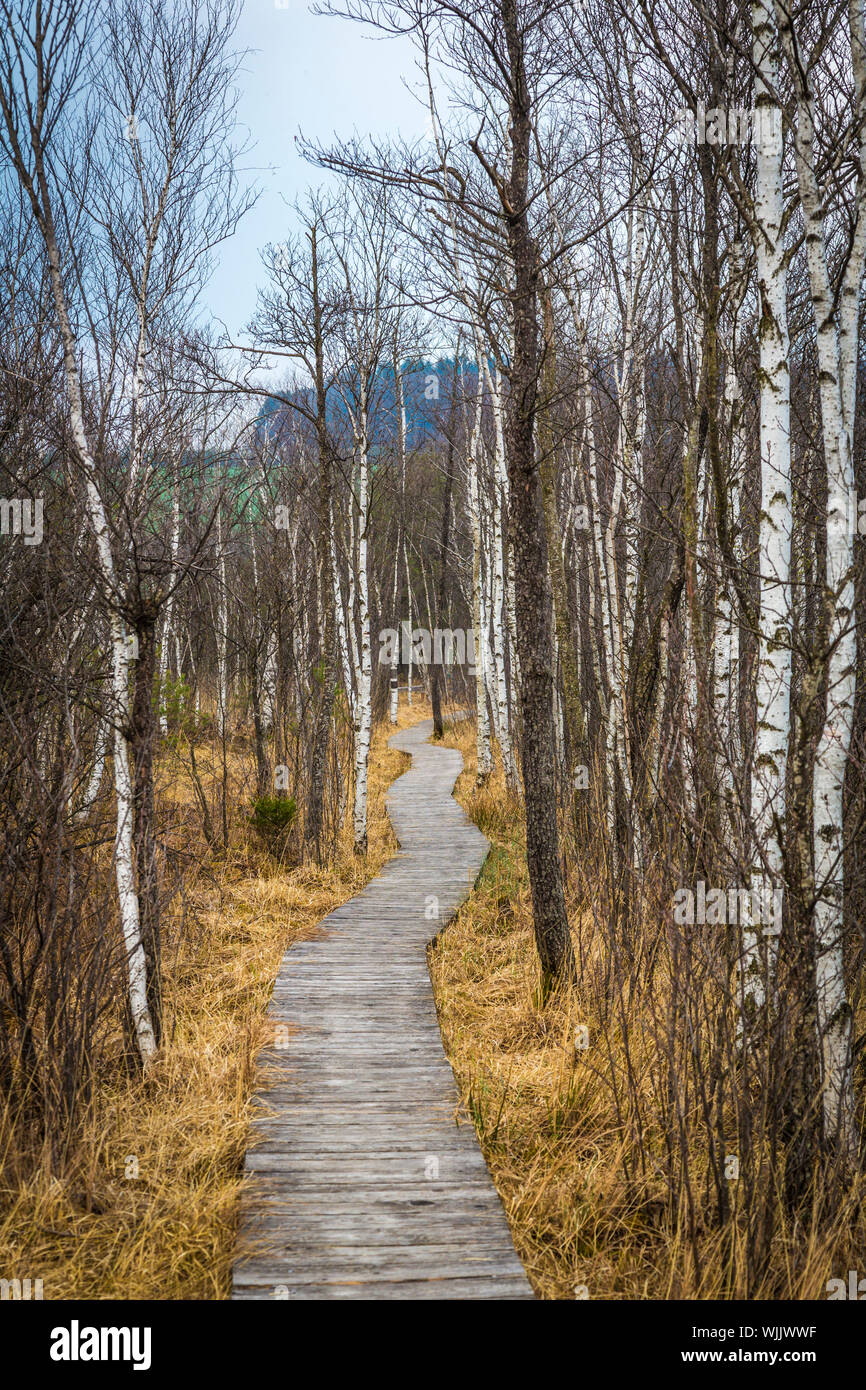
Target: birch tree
[[836, 315], [44, 65]]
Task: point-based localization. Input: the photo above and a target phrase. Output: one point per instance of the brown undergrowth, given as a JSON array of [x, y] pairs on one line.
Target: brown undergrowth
[[145, 1205], [586, 1200]]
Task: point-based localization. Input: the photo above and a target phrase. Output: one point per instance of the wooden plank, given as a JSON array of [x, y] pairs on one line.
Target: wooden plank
[[361, 1183], [490, 1288], [318, 1263]]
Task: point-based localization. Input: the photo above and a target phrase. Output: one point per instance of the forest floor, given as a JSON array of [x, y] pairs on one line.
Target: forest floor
[[587, 1209], [146, 1206]]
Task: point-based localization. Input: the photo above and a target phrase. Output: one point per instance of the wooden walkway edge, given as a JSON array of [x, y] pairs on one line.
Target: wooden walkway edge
[[363, 1186]]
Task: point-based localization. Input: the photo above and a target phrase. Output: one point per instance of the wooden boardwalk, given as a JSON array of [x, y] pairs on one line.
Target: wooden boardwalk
[[363, 1185]]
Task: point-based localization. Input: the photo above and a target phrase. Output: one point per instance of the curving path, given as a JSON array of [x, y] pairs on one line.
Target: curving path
[[363, 1185]]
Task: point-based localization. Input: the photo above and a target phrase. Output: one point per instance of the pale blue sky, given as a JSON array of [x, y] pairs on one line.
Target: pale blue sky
[[313, 73]]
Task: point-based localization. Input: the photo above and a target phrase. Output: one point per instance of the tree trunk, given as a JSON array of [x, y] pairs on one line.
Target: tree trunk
[[534, 635], [436, 683], [774, 642], [363, 708], [573, 708], [314, 824], [143, 728]]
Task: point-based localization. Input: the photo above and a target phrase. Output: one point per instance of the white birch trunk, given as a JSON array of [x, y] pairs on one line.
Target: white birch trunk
[[94, 781], [773, 695], [503, 731], [364, 713], [340, 615], [123, 852], [836, 334], [484, 755], [394, 703], [222, 631]]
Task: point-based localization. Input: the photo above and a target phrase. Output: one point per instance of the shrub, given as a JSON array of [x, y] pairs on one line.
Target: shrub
[[273, 818]]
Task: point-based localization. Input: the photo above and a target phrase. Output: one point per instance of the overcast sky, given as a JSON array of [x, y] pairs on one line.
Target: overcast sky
[[316, 74]]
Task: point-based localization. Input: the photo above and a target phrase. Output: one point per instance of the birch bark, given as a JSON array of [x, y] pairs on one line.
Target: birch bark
[[773, 695], [836, 326]]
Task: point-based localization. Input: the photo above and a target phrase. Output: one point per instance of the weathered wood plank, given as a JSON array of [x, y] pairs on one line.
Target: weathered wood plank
[[434, 1287], [362, 1184]]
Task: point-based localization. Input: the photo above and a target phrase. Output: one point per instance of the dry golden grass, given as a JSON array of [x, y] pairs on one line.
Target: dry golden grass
[[546, 1117], [544, 1114], [147, 1206]]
